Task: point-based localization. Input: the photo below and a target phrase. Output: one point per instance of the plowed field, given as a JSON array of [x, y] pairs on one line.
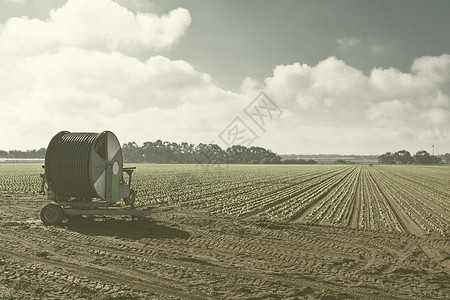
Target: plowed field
[[242, 232]]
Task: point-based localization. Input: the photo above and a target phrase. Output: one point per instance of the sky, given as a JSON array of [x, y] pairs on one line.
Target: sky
[[303, 77]]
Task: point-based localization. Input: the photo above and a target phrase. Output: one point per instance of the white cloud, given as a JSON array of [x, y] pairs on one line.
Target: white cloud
[[345, 43], [87, 90], [393, 113], [433, 69], [437, 117], [370, 45], [93, 24], [378, 49], [72, 72], [250, 85], [75, 71], [335, 102], [391, 83], [324, 90]]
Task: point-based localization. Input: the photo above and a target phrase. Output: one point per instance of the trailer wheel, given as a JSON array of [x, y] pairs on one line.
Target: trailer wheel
[[52, 214]]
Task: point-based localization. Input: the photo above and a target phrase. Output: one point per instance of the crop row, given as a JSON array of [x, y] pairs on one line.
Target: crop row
[[385, 198]]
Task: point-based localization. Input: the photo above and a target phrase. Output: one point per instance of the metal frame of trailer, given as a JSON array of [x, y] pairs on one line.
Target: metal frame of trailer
[[97, 208]]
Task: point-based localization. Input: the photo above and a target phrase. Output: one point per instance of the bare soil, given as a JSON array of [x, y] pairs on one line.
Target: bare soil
[[182, 253]]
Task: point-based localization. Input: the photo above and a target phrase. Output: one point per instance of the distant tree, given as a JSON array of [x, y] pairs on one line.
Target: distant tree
[[216, 154], [422, 157], [23, 154], [266, 160], [436, 159], [132, 152], [340, 162], [297, 162], [446, 158], [187, 151], [276, 159], [387, 158], [236, 154], [403, 157]]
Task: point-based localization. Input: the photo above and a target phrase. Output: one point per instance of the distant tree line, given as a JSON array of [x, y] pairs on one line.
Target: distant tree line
[[342, 162], [331, 157], [422, 157], [170, 152], [23, 154], [186, 153], [298, 162]]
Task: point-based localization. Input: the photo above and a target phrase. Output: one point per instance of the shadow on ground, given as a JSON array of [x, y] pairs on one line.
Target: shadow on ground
[[137, 229]]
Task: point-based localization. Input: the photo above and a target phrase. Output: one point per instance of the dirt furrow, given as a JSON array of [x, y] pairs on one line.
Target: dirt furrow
[[129, 277]]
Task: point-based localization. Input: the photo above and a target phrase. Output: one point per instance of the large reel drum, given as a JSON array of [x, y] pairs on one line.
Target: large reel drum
[[87, 165]]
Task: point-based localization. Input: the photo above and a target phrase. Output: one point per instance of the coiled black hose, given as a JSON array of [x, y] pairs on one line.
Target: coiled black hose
[[67, 164]]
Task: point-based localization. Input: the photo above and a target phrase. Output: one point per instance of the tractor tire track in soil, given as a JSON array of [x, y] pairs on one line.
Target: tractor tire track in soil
[[355, 206], [184, 253]]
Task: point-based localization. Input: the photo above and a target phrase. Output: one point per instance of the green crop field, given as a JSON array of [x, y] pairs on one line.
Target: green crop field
[[237, 232], [412, 199]]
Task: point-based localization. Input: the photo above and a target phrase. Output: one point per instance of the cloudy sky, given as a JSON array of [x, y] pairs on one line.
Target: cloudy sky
[[346, 77]]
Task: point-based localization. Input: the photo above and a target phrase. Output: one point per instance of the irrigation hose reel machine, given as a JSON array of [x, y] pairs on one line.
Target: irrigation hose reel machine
[[84, 175]]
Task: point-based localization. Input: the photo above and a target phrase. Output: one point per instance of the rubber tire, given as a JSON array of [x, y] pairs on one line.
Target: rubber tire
[[52, 214]]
